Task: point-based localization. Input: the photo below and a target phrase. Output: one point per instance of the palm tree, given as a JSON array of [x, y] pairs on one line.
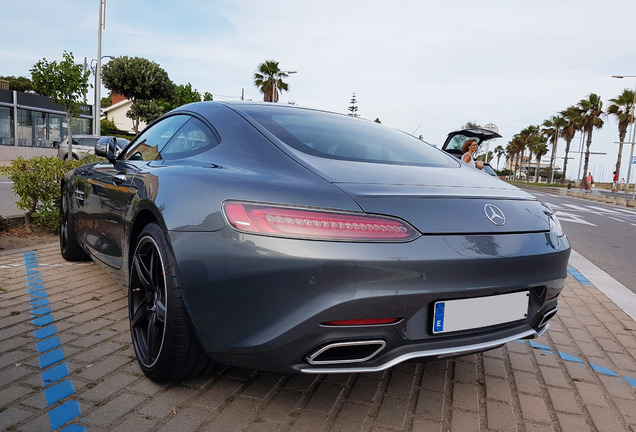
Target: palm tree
[[528, 139], [621, 108], [551, 129], [269, 80], [538, 146], [572, 116], [591, 108], [499, 152], [515, 150]]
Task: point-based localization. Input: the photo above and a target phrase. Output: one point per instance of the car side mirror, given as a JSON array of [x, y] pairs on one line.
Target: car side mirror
[[106, 150]]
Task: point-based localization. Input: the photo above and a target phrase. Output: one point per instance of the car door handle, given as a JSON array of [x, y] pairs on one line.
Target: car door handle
[[119, 178]]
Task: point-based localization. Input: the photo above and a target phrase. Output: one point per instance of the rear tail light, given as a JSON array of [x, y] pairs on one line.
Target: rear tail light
[[315, 224], [362, 322]]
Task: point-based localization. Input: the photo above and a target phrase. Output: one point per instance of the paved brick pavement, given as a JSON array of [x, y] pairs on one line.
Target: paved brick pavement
[[66, 364]]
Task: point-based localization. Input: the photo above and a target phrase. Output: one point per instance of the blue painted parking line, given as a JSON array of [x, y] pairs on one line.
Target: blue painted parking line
[[578, 276], [54, 370], [574, 359]]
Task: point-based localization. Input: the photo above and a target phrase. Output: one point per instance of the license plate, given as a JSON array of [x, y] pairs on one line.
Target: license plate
[[472, 313]]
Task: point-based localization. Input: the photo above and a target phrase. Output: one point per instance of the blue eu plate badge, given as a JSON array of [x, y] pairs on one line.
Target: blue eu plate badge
[[439, 318]]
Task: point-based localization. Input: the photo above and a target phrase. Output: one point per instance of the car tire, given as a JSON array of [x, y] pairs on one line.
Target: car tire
[[162, 335], [70, 248]]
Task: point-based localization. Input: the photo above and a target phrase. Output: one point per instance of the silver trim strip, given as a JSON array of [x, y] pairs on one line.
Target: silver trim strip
[[426, 353], [324, 349]]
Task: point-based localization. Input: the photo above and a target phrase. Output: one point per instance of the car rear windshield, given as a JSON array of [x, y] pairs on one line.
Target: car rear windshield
[[337, 136], [456, 142]]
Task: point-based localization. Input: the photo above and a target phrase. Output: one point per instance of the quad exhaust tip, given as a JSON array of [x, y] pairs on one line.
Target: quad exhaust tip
[[346, 352]]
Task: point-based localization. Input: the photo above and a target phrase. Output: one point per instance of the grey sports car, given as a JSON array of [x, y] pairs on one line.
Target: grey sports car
[[287, 239]]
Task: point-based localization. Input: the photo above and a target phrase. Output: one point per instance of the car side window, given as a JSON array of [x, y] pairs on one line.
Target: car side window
[[89, 142], [148, 145], [194, 137]]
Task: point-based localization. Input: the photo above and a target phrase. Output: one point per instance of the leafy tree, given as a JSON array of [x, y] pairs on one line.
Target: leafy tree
[[353, 108], [21, 84], [140, 80], [551, 129], [471, 125], [144, 110], [591, 110], [107, 101], [621, 108], [572, 116], [377, 120], [269, 81], [183, 94], [65, 82]]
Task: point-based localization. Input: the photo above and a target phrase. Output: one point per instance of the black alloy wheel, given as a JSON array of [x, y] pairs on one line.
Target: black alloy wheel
[[162, 336], [148, 301]]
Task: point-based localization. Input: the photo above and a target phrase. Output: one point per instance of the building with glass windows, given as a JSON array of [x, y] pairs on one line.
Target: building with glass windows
[[32, 125]]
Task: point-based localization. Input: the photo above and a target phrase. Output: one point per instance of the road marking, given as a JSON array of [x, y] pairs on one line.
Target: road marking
[[569, 217], [51, 355], [604, 210], [616, 219], [586, 209], [626, 211], [8, 266], [574, 359]]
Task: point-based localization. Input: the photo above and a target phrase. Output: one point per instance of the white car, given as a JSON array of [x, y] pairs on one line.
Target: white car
[[85, 144]]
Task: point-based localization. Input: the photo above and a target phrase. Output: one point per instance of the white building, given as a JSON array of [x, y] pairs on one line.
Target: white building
[[117, 114]]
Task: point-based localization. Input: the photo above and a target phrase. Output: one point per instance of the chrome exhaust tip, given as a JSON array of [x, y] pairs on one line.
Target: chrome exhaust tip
[[549, 314], [346, 352]]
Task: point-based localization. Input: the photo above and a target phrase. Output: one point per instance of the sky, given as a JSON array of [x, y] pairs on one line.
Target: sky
[[422, 66]]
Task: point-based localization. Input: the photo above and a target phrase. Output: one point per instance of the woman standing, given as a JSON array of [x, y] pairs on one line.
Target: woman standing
[[468, 150]]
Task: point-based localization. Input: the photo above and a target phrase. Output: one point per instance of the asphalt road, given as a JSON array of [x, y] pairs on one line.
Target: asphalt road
[[603, 233]]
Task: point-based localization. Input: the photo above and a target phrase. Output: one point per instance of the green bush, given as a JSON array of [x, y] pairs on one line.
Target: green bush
[[36, 181]]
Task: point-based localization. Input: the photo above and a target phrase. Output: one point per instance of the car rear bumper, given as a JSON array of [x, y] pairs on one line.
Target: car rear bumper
[[263, 302]]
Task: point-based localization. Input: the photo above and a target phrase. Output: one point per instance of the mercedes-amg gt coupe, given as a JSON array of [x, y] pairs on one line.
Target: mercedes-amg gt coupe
[[287, 239]]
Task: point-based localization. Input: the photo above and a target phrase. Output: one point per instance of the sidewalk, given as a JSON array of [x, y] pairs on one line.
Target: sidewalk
[[66, 363]]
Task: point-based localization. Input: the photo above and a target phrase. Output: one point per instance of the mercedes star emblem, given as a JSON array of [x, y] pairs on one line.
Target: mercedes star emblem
[[494, 214]]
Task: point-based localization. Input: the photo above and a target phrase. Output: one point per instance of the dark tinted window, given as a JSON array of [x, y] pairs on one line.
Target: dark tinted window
[[347, 138], [150, 142], [192, 138], [458, 141], [88, 142]]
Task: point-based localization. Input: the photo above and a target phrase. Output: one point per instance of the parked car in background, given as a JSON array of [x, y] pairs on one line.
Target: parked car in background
[[455, 140], [280, 238], [85, 144]]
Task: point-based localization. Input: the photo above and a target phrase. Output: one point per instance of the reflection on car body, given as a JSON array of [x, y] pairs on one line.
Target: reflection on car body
[[287, 239]]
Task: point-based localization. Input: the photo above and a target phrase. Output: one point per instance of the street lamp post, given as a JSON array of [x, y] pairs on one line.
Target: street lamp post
[[629, 166], [97, 107], [275, 86]]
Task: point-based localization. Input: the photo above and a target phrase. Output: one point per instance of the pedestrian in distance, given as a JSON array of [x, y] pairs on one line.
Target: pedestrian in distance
[[589, 183], [615, 182]]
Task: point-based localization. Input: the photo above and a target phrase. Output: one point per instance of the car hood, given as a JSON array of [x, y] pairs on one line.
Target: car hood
[[437, 200]]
